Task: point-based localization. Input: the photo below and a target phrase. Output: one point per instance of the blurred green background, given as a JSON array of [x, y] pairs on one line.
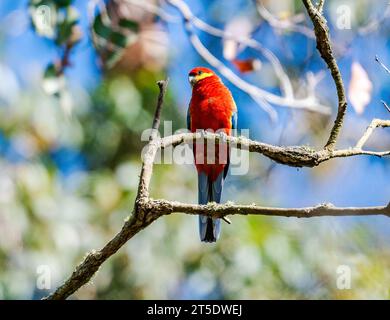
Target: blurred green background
[[74, 100]]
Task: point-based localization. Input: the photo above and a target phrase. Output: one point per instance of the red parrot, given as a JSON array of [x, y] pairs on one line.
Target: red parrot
[[211, 107]]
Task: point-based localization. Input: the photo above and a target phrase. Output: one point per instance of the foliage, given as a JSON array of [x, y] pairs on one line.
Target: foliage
[[68, 179]]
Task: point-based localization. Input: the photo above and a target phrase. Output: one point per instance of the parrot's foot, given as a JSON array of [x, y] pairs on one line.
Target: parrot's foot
[[202, 132]]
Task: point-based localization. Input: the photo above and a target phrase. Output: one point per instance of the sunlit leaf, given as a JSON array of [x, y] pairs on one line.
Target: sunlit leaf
[[115, 37]]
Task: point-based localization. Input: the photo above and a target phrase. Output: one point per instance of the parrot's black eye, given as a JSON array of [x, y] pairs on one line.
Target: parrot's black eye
[[200, 72]]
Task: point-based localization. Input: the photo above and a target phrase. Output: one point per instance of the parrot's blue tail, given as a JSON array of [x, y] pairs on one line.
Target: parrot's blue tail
[[209, 228]]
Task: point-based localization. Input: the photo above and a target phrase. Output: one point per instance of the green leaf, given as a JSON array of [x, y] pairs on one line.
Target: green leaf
[[64, 32], [65, 26], [63, 3], [115, 37], [57, 3], [112, 58], [119, 39], [50, 71], [129, 24], [37, 3], [100, 28]]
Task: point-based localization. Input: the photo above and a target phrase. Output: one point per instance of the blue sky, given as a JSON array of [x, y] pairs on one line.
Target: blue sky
[[361, 181]]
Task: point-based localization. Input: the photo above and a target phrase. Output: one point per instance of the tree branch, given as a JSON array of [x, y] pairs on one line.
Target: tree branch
[[320, 5], [138, 220], [385, 105], [262, 97], [294, 156], [284, 24], [162, 85], [147, 210], [376, 123], [221, 210], [321, 32], [382, 64]]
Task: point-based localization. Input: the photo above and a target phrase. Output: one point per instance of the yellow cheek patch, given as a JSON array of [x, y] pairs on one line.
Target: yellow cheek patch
[[203, 75]]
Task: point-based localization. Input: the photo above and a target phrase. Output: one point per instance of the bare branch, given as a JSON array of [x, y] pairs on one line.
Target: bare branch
[[160, 100], [324, 47], [154, 209], [147, 210], [385, 105], [320, 5], [376, 123], [139, 219], [149, 6], [287, 24], [388, 71], [259, 95], [294, 156], [221, 210], [382, 64], [375, 23]]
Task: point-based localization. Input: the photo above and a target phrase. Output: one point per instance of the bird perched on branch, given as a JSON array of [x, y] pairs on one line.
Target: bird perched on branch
[[211, 108]]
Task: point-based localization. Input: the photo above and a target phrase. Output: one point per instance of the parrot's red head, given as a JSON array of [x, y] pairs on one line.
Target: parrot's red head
[[200, 73]]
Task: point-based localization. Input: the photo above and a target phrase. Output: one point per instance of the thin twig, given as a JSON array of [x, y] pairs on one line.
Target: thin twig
[[375, 22], [259, 95], [325, 48], [138, 220], [146, 210], [382, 64], [162, 85], [375, 123], [385, 105], [320, 6], [287, 24]]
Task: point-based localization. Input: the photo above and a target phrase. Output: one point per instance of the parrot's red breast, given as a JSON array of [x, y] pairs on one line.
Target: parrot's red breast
[[211, 107]]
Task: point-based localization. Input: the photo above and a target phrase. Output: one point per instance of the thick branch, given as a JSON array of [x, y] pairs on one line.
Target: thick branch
[[92, 262], [294, 156], [321, 32], [262, 97], [139, 218], [221, 210], [153, 209], [146, 210]]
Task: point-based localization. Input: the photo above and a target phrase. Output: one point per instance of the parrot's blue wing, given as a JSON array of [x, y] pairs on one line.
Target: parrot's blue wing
[[203, 198], [216, 188], [188, 119], [203, 188], [210, 228], [234, 126]]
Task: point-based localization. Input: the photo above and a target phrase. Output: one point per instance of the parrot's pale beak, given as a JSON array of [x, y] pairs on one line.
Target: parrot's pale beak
[[192, 80]]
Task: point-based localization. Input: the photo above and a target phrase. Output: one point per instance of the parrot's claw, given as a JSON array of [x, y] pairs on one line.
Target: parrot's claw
[[202, 133]]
